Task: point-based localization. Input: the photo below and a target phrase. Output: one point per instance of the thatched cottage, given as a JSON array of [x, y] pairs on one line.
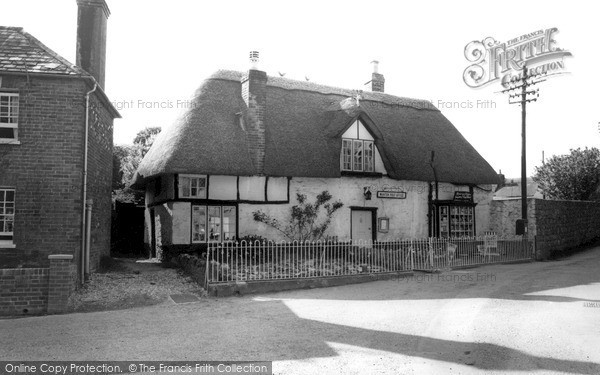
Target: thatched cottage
[[251, 141]]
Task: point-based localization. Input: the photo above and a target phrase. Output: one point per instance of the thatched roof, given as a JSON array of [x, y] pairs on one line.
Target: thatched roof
[[304, 122]]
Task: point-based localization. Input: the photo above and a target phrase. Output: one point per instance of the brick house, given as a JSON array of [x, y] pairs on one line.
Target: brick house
[[251, 141], [56, 136]]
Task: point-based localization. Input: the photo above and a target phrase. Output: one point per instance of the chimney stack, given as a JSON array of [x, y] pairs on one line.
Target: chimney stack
[[254, 93], [377, 82], [92, 16]]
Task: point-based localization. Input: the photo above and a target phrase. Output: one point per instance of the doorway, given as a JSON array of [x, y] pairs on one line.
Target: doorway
[[362, 223]]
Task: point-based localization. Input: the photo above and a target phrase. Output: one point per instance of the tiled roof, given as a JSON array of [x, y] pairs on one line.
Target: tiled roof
[[20, 52]]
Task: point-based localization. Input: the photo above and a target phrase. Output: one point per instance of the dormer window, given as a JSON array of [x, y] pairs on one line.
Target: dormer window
[[9, 117], [358, 149]]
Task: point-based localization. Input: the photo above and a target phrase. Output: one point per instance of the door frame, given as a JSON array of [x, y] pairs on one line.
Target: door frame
[[373, 211]]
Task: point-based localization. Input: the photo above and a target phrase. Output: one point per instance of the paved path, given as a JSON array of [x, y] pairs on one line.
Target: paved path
[[520, 318]]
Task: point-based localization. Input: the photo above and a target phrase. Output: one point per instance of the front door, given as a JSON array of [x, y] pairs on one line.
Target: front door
[[362, 225]]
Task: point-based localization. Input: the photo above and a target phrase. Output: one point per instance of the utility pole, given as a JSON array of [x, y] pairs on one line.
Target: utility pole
[[525, 82], [524, 148]]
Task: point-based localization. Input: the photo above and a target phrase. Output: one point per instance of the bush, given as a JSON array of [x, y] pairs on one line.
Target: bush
[[168, 252]]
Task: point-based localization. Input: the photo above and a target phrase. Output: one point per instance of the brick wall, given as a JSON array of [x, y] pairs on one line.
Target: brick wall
[[46, 169], [557, 225], [23, 291], [100, 180], [31, 291], [254, 93]]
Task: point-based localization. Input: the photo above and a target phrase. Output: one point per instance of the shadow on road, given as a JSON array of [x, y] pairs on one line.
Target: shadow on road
[[568, 280]]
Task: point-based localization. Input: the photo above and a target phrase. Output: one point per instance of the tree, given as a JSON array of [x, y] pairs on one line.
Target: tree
[[574, 176], [303, 222], [126, 160], [145, 138]]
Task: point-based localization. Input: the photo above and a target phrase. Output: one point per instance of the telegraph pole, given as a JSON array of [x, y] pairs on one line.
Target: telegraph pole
[[524, 148], [525, 82]]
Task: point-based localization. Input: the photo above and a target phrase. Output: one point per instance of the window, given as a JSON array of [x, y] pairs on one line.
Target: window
[[358, 149], [9, 117], [358, 155], [7, 214], [198, 224], [192, 186], [213, 223]]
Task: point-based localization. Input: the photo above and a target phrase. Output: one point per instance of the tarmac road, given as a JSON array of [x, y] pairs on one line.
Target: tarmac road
[[535, 317]]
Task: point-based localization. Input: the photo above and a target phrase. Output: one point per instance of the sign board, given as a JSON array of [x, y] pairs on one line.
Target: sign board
[[463, 196], [391, 194]]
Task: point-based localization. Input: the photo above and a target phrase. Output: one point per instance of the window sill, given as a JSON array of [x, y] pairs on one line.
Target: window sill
[[9, 142], [7, 245], [362, 174]]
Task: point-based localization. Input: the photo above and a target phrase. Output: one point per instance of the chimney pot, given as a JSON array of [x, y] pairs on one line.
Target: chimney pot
[[375, 64], [254, 60]]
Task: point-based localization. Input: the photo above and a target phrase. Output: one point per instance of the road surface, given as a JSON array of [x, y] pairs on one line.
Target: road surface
[[535, 317]]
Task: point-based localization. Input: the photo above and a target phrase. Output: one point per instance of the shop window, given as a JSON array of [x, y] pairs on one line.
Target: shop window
[[456, 221]]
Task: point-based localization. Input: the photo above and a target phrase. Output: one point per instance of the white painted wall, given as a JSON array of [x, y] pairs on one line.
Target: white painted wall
[[408, 217], [222, 187], [182, 213], [277, 189], [252, 188]]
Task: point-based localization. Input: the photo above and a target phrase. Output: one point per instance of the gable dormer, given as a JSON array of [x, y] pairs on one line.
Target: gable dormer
[[359, 152]]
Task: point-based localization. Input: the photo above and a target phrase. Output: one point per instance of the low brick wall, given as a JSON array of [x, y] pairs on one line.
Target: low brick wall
[[556, 225], [23, 291], [31, 291]]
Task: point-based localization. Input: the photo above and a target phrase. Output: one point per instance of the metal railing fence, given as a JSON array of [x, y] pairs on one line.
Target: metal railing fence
[[255, 261]]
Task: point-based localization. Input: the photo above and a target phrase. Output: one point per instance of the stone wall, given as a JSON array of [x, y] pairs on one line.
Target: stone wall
[[556, 225], [561, 225]]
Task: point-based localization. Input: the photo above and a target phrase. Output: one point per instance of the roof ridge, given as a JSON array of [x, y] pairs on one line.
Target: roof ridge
[[289, 83]]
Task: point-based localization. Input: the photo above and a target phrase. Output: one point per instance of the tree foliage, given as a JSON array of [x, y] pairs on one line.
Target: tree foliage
[[303, 223], [574, 176], [126, 159]]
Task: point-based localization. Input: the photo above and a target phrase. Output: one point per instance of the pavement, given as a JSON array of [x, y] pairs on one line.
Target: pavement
[[538, 318]]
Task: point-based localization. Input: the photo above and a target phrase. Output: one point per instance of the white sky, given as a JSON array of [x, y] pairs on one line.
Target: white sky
[[159, 51]]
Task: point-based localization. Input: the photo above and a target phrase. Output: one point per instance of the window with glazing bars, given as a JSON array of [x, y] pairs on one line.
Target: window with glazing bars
[[358, 155], [9, 116], [7, 214]]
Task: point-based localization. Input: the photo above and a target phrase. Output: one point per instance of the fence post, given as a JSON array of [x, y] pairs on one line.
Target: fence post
[[412, 259], [208, 256]]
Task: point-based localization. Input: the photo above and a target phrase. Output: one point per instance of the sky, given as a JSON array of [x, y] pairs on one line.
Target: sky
[[159, 52]]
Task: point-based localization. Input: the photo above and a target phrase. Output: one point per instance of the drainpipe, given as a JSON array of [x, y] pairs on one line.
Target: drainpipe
[[88, 237], [433, 217], [84, 264]]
